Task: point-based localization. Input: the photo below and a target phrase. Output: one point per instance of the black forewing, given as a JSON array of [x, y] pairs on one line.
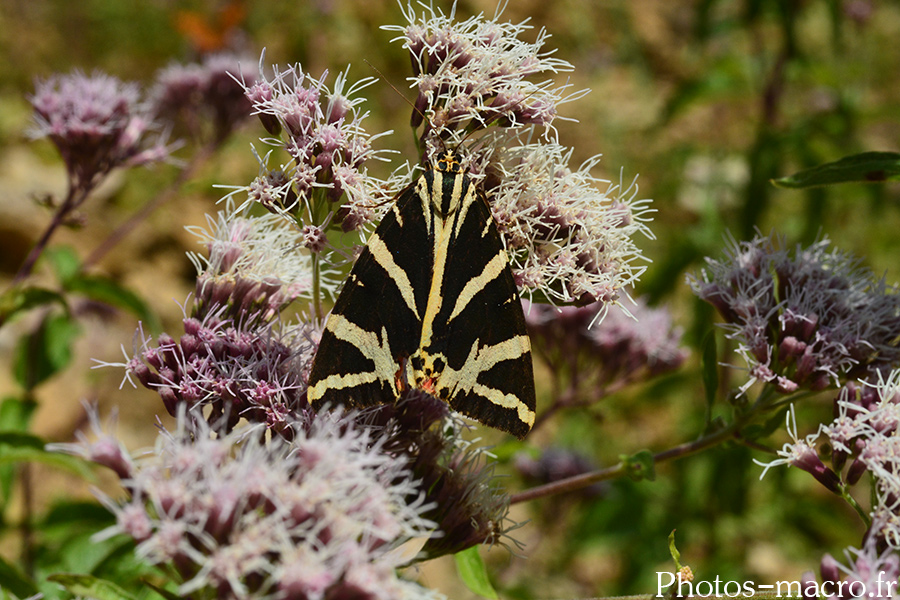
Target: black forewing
[[492, 316], [373, 300]]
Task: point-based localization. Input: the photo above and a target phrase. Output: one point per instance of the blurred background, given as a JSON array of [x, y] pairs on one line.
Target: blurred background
[[705, 100]]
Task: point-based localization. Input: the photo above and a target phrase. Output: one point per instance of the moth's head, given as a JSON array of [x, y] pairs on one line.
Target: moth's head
[[449, 161]]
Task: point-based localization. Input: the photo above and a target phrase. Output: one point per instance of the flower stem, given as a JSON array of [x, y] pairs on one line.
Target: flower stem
[[845, 494], [317, 287], [586, 479], [145, 211], [764, 402], [74, 198]]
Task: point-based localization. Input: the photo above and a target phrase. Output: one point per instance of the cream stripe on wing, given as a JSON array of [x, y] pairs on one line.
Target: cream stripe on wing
[[422, 194], [442, 238], [397, 215], [445, 234], [480, 360], [525, 414], [339, 382], [435, 298], [476, 284], [367, 343], [463, 210], [383, 257], [456, 198]]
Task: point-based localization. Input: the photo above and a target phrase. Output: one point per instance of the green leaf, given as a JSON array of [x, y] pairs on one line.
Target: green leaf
[[64, 261], [104, 289], [20, 439], [45, 352], [124, 567], [640, 466], [162, 592], [80, 553], [761, 430], [710, 368], [673, 550], [20, 299], [15, 413], [473, 573], [507, 449], [27, 453], [12, 580], [68, 545], [89, 586], [15, 416], [868, 167], [68, 514]]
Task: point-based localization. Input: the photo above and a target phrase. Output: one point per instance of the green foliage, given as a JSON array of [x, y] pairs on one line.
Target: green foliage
[[640, 466], [472, 571], [673, 550], [868, 167], [15, 416], [709, 364], [68, 269], [108, 291], [68, 546], [46, 351], [18, 300], [64, 261], [90, 587], [166, 594], [768, 427], [19, 448], [16, 582]]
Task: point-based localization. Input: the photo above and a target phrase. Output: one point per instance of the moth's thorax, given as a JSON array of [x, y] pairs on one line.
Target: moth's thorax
[[447, 185]]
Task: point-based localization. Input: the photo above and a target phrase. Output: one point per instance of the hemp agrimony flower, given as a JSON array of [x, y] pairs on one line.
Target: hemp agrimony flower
[[455, 475], [204, 98], [326, 185], [258, 372], [472, 74], [568, 242], [234, 355], [803, 455], [105, 449], [315, 517], [599, 358], [867, 428], [323, 134], [252, 266], [97, 123], [870, 572], [865, 434], [803, 319]]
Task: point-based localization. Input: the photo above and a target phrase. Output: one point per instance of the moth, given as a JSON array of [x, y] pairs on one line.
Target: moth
[[431, 304]]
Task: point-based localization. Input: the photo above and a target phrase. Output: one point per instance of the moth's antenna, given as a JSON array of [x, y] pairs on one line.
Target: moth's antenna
[[393, 87], [413, 106]]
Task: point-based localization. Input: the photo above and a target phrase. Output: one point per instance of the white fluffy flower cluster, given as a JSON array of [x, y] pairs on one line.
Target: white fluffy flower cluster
[[318, 516]]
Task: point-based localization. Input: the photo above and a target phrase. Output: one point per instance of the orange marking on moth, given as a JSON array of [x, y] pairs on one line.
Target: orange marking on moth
[[428, 386]]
